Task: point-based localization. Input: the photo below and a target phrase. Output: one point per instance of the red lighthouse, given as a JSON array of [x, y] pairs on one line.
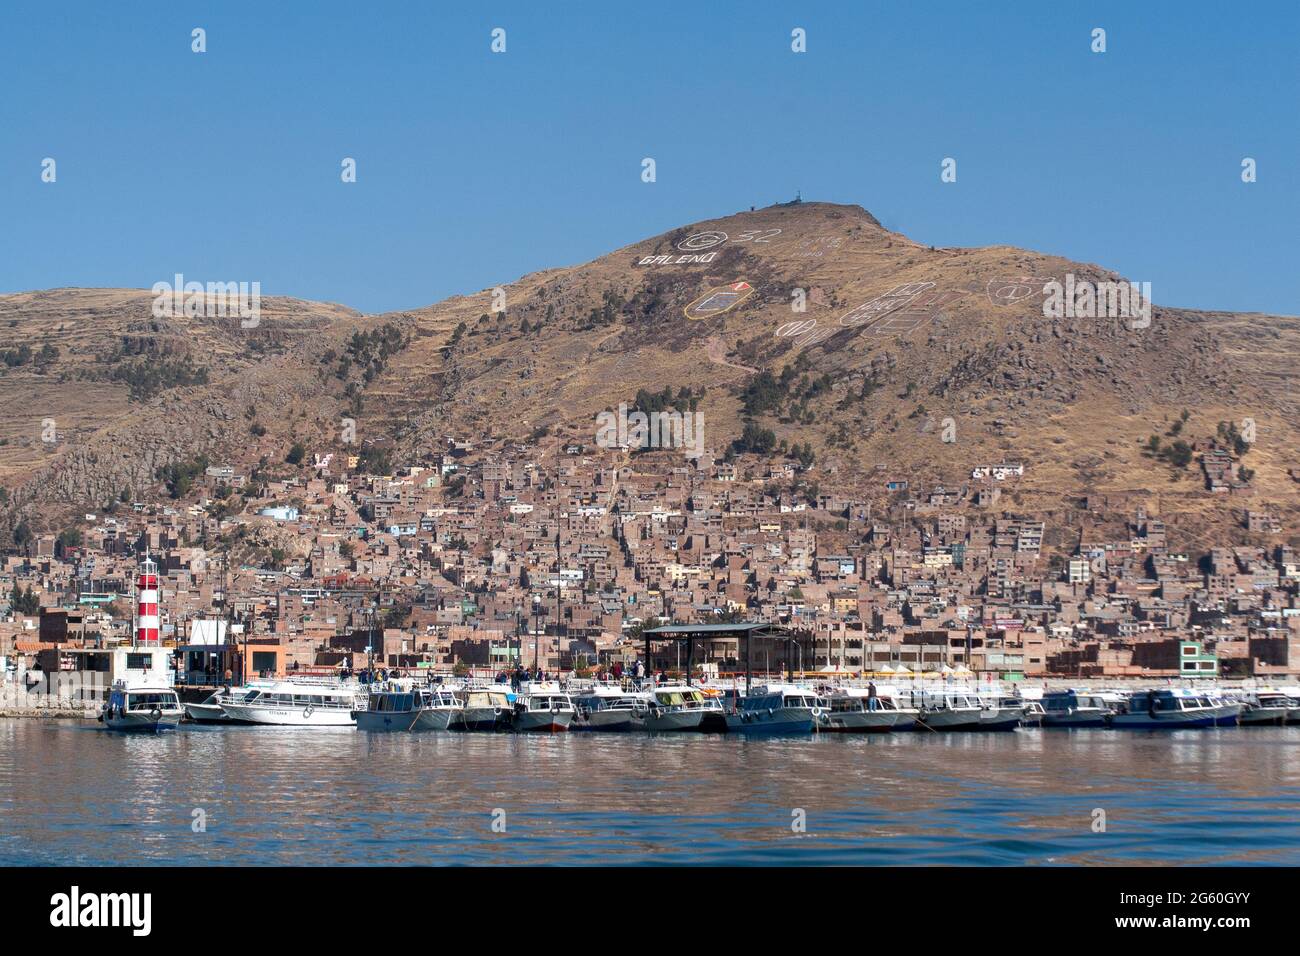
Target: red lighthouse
[[146, 603]]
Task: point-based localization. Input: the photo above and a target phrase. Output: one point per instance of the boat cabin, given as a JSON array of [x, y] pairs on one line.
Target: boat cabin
[[778, 697], [1060, 701], [142, 701]]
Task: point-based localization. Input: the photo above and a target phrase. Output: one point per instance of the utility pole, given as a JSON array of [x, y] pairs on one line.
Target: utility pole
[[557, 583], [537, 624]]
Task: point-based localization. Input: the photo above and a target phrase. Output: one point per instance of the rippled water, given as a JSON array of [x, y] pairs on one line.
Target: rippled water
[[71, 793]]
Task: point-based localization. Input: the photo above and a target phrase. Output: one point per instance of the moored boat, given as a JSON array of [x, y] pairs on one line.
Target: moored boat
[[682, 707], [776, 709], [312, 702], [389, 708], [1264, 708], [542, 707], [951, 710], [141, 709], [486, 708], [209, 710], [1075, 708], [440, 709], [861, 710], [999, 712], [607, 708], [1164, 709]]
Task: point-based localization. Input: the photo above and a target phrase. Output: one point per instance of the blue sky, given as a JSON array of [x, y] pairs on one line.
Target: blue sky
[[474, 168]]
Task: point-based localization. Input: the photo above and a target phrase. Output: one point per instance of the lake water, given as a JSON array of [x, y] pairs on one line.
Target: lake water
[[74, 794]]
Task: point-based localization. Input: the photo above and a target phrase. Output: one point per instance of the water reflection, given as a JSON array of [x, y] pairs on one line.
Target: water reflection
[[74, 794]]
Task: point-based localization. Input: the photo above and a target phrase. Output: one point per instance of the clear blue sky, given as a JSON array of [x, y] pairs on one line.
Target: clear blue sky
[[475, 168]]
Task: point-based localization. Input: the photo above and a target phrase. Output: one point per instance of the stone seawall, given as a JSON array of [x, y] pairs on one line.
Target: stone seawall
[[82, 713]]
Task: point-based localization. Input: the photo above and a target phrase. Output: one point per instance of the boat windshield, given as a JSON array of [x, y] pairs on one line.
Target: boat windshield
[[678, 698], [150, 700]]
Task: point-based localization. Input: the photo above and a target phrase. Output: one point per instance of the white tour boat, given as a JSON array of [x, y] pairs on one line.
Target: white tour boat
[[304, 702], [209, 711], [951, 710], [610, 709], [860, 710], [1076, 708]]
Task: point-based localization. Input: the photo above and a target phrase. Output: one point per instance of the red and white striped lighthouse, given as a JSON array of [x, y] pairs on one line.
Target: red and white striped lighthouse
[[146, 603]]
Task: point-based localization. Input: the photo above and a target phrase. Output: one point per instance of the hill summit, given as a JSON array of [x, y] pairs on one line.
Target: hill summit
[[809, 322]]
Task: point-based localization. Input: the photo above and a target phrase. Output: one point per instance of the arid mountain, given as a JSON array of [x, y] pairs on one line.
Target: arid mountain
[[905, 362]]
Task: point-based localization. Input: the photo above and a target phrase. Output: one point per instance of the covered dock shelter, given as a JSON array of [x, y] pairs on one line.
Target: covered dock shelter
[[744, 633]]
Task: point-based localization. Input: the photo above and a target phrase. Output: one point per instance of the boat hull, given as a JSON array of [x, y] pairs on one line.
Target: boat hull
[[1227, 715], [999, 721], [676, 721], [612, 722], [292, 716], [861, 722], [951, 719], [483, 720], [794, 721], [438, 718], [542, 721], [1173, 721], [205, 714], [143, 723], [1076, 718], [377, 721], [1262, 716]]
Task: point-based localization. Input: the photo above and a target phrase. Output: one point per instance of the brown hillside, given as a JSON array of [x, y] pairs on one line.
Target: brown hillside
[[1074, 399]]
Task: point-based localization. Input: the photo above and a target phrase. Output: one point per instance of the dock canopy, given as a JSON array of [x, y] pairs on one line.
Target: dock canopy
[[742, 633]]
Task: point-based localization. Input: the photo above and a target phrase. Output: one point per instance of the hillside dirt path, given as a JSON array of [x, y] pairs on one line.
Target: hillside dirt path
[[716, 349]]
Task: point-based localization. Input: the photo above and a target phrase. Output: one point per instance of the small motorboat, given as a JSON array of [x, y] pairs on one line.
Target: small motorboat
[[142, 709], [1164, 709], [951, 711], [390, 707], [1265, 708], [684, 708], [860, 710], [1075, 708], [542, 707], [440, 709], [776, 709], [607, 708], [486, 708]]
